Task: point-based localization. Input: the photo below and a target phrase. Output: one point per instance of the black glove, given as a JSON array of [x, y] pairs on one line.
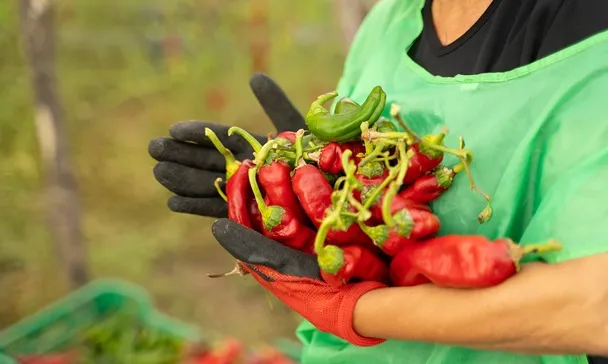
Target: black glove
[[189, 163]]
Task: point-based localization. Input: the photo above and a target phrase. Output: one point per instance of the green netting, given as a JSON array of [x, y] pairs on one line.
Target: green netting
[[58, 325]]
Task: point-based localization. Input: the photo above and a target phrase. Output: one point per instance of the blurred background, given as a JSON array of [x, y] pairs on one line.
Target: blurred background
[[84, 85]]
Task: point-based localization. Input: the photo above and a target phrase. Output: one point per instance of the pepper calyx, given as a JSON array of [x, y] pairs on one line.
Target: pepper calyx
[[444, 176], [432, 139], [379, 233], [272, 217], [331, 260], [404, 224], [371, 170]]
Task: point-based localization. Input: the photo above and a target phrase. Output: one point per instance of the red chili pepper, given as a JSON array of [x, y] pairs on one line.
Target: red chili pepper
[[239, 195], [289, 135], [410, 226], [278, 223], [275, 178], [330, 158], [314, 194], [423, 159], [429, 187], [360, 264], [461, 261]]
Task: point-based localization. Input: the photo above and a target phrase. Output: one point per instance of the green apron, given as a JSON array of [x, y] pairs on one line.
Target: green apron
[[540, 138]]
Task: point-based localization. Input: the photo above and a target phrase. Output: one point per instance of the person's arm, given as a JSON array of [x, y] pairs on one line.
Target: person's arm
[[545, 309]]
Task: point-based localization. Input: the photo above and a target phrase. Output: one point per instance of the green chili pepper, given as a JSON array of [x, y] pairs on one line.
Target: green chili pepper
[[344, 126]]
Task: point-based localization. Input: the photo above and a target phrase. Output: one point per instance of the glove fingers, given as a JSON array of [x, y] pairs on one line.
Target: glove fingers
[[276, 104], [251, 247], [188, 154], [186, 181], [194, 131], [212, 207]]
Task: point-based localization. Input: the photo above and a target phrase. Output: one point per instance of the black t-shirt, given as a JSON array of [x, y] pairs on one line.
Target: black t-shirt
[[511, 34]]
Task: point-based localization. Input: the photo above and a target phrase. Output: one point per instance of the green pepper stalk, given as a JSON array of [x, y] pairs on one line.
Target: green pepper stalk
[[255, 144], [216, 183], [231, 163], [331, 257], [344, 126], [464, 155]]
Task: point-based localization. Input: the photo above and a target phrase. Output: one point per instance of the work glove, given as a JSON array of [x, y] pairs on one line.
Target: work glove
[[294, 278], [188, 163]]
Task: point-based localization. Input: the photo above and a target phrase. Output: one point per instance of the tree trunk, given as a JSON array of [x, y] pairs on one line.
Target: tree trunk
[[62, 201], [350, 14]]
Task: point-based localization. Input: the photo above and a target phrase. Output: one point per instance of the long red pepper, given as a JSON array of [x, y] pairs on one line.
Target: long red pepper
[[410, 226], [330, 157], [275, 178], [423, 159], [279, 223], [461, 261], [429, 187], [239, 195], [314, 194], [359, 264]]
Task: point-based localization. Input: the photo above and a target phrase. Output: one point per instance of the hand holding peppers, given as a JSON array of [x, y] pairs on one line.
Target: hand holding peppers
[[317, 217], [294, 278], [188, 162]]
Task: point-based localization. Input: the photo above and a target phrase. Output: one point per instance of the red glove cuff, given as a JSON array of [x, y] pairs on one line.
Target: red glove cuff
[[329, 309]]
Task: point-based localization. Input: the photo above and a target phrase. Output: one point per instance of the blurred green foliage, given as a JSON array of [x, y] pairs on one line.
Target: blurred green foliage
[[126, 71]]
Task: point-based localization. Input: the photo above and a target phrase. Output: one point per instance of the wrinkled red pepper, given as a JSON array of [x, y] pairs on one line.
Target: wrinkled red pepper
[[279, 223], [423, 159], [411, 226], [275, 179], [314, 194], [429, 187], [461, 261], [239, 195], [359, 264], [330, 157]]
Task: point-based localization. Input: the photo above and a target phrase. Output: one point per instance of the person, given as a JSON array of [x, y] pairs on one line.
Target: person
[[525, 83]]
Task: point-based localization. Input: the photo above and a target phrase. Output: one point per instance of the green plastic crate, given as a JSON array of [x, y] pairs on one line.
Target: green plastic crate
[[57, 325]]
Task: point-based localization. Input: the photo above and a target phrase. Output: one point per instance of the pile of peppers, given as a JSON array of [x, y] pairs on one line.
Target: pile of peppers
[[355, 190]]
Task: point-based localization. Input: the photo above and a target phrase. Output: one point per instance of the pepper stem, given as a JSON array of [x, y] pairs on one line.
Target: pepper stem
[[271, 215], [411, 136], [371, 155], [257, 194], [386, 204], [550, 246], [299, 145], [237, 270], [404, 163], [231, 163], [216, 183], [368, 144], [255, 144]]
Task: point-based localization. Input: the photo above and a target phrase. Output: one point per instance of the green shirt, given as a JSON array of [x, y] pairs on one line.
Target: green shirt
[[539, 134]]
